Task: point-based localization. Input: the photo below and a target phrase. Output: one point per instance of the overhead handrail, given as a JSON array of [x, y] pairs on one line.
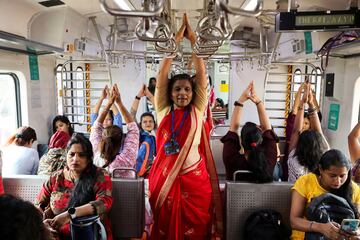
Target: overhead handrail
[[239, 11], [132, 13], [162, 32]]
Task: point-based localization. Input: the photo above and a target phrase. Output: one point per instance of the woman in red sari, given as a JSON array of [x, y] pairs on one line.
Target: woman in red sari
[[184, 190]]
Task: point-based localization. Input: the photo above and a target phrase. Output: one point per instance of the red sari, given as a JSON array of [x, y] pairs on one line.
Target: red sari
[[181, 199]]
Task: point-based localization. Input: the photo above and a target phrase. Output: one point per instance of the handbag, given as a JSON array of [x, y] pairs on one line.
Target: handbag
[[87, 228]]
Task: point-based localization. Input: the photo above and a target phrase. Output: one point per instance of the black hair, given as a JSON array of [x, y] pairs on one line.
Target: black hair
[[336, 158], [146, 114], [64, 119], [152, 87], [251, 139], [178, 77], [20, 220], [83, 192], [309, 149], [221, 102]]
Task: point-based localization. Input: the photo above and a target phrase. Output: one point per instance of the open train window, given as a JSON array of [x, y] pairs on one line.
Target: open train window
[[59, 88], [10, 105], [80, 94]]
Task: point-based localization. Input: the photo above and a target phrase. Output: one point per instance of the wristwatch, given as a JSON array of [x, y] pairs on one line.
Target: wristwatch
[[72, 212]]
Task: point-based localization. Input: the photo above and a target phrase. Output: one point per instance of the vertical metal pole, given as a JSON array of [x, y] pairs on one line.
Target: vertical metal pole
[[87, 94], [288, 95]]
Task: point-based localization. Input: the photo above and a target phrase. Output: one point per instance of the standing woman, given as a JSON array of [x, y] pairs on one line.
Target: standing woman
[[80, 189], [18, 156], [181, 193]]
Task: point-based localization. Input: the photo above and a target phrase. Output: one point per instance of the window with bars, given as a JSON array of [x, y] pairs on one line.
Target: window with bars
[[315, 80]]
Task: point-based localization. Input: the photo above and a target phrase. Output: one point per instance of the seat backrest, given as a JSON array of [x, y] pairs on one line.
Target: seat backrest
[[242, 199], [24, 186], [128, 209]]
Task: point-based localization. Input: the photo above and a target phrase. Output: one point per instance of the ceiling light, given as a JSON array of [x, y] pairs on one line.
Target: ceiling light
[[124, 4], [250, 5]]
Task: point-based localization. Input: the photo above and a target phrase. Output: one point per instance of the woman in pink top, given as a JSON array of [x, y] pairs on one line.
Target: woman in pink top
[[109, 151]]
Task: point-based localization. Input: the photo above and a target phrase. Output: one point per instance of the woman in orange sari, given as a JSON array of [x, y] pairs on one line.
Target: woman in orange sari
[[184, 190]]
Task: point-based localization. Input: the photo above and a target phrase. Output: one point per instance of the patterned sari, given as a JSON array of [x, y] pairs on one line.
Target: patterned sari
[[182, 200]]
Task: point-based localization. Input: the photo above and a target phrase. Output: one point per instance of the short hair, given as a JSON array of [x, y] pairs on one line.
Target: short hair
[[20, 220], [146, 114]]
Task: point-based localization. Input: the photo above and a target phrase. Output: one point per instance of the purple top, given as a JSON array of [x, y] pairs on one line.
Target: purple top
[[127, 156]]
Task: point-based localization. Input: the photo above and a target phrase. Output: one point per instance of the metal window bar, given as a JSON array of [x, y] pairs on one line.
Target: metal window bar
[[76, 98]]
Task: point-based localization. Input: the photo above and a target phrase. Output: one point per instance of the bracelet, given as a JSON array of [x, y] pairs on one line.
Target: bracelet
[[312, 110], [300, 108], [258, 102], [236, 103], [138, 98], [310, 226]]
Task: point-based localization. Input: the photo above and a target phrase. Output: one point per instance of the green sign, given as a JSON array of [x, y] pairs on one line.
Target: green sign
[[308, 42], [325, 19], [333, 121], [34, 67]]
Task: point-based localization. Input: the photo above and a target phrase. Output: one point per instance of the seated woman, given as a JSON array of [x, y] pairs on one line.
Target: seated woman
[[20, 220], [306, 146], [62, 123], [80, 188], [18, 156], [354, 150], [113, 116], [290, 121], [55, 158], [333, 175], [107, 142], [259, 144]]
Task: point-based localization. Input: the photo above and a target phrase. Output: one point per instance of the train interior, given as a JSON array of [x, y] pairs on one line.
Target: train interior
[[56, 56]]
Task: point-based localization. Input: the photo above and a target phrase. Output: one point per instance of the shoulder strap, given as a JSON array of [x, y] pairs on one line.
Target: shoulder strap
[[143, 166]]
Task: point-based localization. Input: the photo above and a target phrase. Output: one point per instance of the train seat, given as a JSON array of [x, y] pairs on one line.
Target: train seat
[[244, 198], [127, 213]]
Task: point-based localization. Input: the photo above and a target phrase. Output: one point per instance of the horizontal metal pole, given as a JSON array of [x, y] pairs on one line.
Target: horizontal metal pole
[[275, 100]]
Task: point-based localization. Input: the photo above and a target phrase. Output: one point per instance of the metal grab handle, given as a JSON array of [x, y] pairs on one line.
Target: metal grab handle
[[119, 12], [141, 30], [171, 47], [238, 11], [239, 171], [123, 169]]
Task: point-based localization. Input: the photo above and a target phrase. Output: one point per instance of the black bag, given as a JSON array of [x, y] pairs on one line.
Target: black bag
[[266, 224], [87, 228], [327, 208]]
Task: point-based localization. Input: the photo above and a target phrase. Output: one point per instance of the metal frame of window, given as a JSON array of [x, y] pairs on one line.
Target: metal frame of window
[[17, 97]]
